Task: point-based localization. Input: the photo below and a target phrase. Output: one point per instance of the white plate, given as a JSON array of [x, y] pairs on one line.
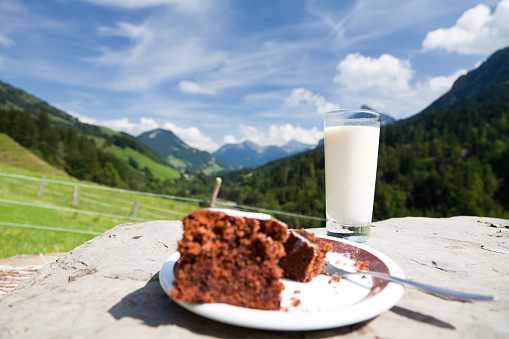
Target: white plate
[[323, 304]]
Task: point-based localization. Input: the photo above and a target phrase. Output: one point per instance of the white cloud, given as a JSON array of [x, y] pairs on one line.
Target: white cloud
[[440, 84], [136, 4], [162, 48], [194, 88], [387, 85], [278, 135], [123, 124], [282, 134], [82, 118], [231, 139], [302, 95], [193, 137], [477, 31], [387, 75], [6, 41]]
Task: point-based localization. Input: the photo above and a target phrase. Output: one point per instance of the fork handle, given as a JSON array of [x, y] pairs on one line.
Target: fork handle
[[430, 288]]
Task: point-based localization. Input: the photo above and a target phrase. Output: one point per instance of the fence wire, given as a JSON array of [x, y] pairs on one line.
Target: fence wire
[[10, 177]]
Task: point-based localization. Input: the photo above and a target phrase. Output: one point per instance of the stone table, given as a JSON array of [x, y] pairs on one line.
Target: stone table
[[109, 288]]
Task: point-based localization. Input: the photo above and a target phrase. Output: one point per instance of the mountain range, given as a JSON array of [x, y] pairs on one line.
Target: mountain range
[[180, 155], [250, 154], [385, 119], [163, 146], [133, 160], [450, 159]]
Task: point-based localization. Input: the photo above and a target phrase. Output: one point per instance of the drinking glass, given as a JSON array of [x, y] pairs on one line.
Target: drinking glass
[[351, 155]]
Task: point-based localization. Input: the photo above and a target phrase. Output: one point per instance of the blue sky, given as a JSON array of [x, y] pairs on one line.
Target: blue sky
[[218, 71]]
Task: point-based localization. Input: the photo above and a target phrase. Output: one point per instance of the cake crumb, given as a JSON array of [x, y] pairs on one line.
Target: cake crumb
[[296, 302], [362, 265], [335, 279]]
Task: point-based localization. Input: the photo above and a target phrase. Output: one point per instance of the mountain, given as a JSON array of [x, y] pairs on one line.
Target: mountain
[[84, 151], [12, 98], [17, 99], [180, 155], [294, 146], [250, 154], [488, 76], [448, 160], [385, 119]]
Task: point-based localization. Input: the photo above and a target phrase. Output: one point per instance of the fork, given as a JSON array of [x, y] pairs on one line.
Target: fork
[[338, 272]]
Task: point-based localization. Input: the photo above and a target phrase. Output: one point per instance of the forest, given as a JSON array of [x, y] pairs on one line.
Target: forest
[[446, 161], [75, 152], [450, 159]]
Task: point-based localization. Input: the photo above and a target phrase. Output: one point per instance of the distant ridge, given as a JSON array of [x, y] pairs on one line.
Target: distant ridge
[[15, 98], [180, 155], [109, 155], [250, 154], [385, 120], [491, 74], [450, 159]]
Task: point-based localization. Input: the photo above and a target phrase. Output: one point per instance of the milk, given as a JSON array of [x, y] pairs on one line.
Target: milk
[[351, 154]]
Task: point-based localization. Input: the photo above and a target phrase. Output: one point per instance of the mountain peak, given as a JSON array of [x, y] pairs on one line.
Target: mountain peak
[[179, 154], [250, 154], [385, 119], [490, 74], [293, 146], [155, 133]]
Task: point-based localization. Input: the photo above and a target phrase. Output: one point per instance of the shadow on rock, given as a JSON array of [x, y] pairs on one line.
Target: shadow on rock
[[151, 305], [421, 317]]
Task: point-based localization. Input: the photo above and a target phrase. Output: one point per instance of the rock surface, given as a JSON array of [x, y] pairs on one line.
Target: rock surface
[[109, 288], [14, 270]]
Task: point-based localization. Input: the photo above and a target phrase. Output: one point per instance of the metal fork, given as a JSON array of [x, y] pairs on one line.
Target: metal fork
[[337, 272]]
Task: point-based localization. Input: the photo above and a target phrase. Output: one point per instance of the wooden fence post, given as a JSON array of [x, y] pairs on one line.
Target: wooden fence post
[[75, 195], [215, 192], [134, 209], [41, 186]]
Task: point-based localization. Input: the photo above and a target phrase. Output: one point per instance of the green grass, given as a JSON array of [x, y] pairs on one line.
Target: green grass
[[159, 171], [21, 210], [13, 156], [53, 209]]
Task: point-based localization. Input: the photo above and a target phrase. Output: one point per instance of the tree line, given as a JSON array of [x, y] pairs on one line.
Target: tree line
[[72, 151], [446, 161]]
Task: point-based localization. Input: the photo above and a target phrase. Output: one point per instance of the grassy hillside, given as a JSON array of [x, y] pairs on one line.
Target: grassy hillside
[[91, 157], [50, 223], [138, 160], [180, 155], [51, 134], [14, 156], [451, 159]]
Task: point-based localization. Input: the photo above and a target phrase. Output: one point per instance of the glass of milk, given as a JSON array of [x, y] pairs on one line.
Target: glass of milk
[[351, 154]]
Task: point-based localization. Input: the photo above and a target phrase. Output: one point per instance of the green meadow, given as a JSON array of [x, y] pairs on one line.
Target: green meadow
[[37, 218]]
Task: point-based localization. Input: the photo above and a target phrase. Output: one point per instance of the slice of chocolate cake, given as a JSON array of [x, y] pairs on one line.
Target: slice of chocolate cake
[[231, 257], [305, 254]]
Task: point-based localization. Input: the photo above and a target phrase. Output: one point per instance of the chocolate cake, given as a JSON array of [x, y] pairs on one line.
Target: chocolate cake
[[305, 254], [231, 257]]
